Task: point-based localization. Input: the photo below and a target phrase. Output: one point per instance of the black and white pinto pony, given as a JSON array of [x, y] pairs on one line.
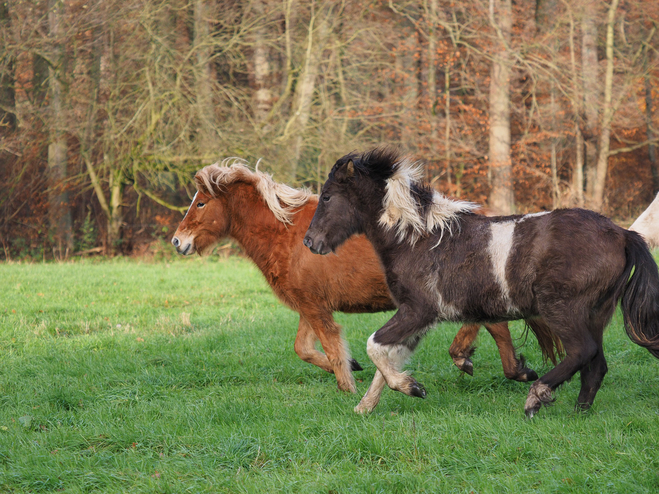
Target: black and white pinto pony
[[444, 263]]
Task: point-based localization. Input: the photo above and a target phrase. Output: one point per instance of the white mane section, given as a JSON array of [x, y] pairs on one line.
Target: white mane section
[[281, 199], [402, 211], [648, 224]]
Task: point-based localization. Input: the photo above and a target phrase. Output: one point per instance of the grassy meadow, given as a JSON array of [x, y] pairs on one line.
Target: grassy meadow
[[172, 377]]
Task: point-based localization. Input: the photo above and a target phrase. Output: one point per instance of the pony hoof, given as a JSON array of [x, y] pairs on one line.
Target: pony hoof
[[531, 375], [582, 407], [539, 394], [354, 365], [464, 364], [526, 375], [417, 390], [348, 388], [362, 410]]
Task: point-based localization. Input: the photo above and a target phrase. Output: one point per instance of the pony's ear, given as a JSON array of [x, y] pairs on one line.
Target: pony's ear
[[345, 171]]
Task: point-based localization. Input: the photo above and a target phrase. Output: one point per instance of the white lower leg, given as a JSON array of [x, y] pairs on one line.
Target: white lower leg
[[372, 396], [389, 359]]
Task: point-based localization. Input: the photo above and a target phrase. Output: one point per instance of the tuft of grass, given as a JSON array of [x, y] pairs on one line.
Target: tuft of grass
[[180, 376]]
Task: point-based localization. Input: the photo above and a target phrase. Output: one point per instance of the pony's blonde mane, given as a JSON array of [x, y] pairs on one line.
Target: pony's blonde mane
[[281, 199], [403, 212]]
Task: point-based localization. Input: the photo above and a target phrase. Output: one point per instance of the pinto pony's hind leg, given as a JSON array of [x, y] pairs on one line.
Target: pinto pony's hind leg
[[592, 375], [463, 348], [580, 350], [513, 367]]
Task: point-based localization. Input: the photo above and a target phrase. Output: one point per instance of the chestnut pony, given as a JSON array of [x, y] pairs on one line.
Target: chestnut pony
[[269, 220]]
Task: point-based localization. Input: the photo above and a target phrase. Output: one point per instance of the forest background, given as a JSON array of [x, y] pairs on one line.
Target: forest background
[[108, 107]]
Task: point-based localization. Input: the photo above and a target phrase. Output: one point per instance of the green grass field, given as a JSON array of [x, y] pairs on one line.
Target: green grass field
[[126, 376]]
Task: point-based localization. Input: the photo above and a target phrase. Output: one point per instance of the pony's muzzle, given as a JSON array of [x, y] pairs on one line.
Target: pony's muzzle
[[182, 248], [315, 247]]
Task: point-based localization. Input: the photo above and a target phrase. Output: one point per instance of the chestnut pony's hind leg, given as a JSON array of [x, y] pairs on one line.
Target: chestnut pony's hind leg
[[463, 348], [513, 368], [337, 357], [305, 346]]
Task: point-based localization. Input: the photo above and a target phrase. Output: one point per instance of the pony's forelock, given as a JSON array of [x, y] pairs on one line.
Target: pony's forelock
[[281, 199]]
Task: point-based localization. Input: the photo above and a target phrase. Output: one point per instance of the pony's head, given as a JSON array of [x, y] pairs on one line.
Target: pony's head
[[205, 224], [213, 211], [379, 189], [355, 183]]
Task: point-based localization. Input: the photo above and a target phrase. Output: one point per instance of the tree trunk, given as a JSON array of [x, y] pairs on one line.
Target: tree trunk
[[407, 66], [7, 81], [115, 220], [590, 76], [58, 198], [577, 104], [204, 80], [102, 78], [262, 76], [652, 150], [501, 196], [607, 113], [432, 66], [306, 87], [545, 19], [577, 173]]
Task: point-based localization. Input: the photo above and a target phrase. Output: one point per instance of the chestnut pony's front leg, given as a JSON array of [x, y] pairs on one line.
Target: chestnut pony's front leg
[[337, 356]]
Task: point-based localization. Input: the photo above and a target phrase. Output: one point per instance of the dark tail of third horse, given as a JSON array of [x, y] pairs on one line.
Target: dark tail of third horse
[[640, 295]]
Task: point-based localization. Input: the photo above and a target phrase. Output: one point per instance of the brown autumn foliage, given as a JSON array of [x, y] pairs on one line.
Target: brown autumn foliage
[[139, 94]]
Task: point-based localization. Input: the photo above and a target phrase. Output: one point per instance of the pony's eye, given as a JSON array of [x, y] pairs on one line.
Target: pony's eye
[[326, 198], [200, 204]]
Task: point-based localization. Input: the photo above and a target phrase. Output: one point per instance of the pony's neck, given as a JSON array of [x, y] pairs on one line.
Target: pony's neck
[[253, 224], [381, 238], [371, 209]]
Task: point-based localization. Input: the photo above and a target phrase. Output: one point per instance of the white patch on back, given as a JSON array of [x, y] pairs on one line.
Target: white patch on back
[[532, 215], [499, 249]]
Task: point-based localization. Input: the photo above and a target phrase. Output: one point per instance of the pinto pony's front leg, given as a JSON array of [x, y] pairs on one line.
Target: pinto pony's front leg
[[372, 397], [389, 348]]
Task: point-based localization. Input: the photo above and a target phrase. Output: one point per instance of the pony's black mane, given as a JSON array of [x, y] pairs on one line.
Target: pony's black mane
[[378, 163], [381, 163]]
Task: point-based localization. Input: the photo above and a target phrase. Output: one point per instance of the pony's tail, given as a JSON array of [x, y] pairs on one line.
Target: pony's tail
[[640, 295], [549, 342]]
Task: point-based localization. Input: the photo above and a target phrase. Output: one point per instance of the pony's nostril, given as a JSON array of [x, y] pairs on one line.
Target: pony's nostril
[[307, 242], [176, 242]]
